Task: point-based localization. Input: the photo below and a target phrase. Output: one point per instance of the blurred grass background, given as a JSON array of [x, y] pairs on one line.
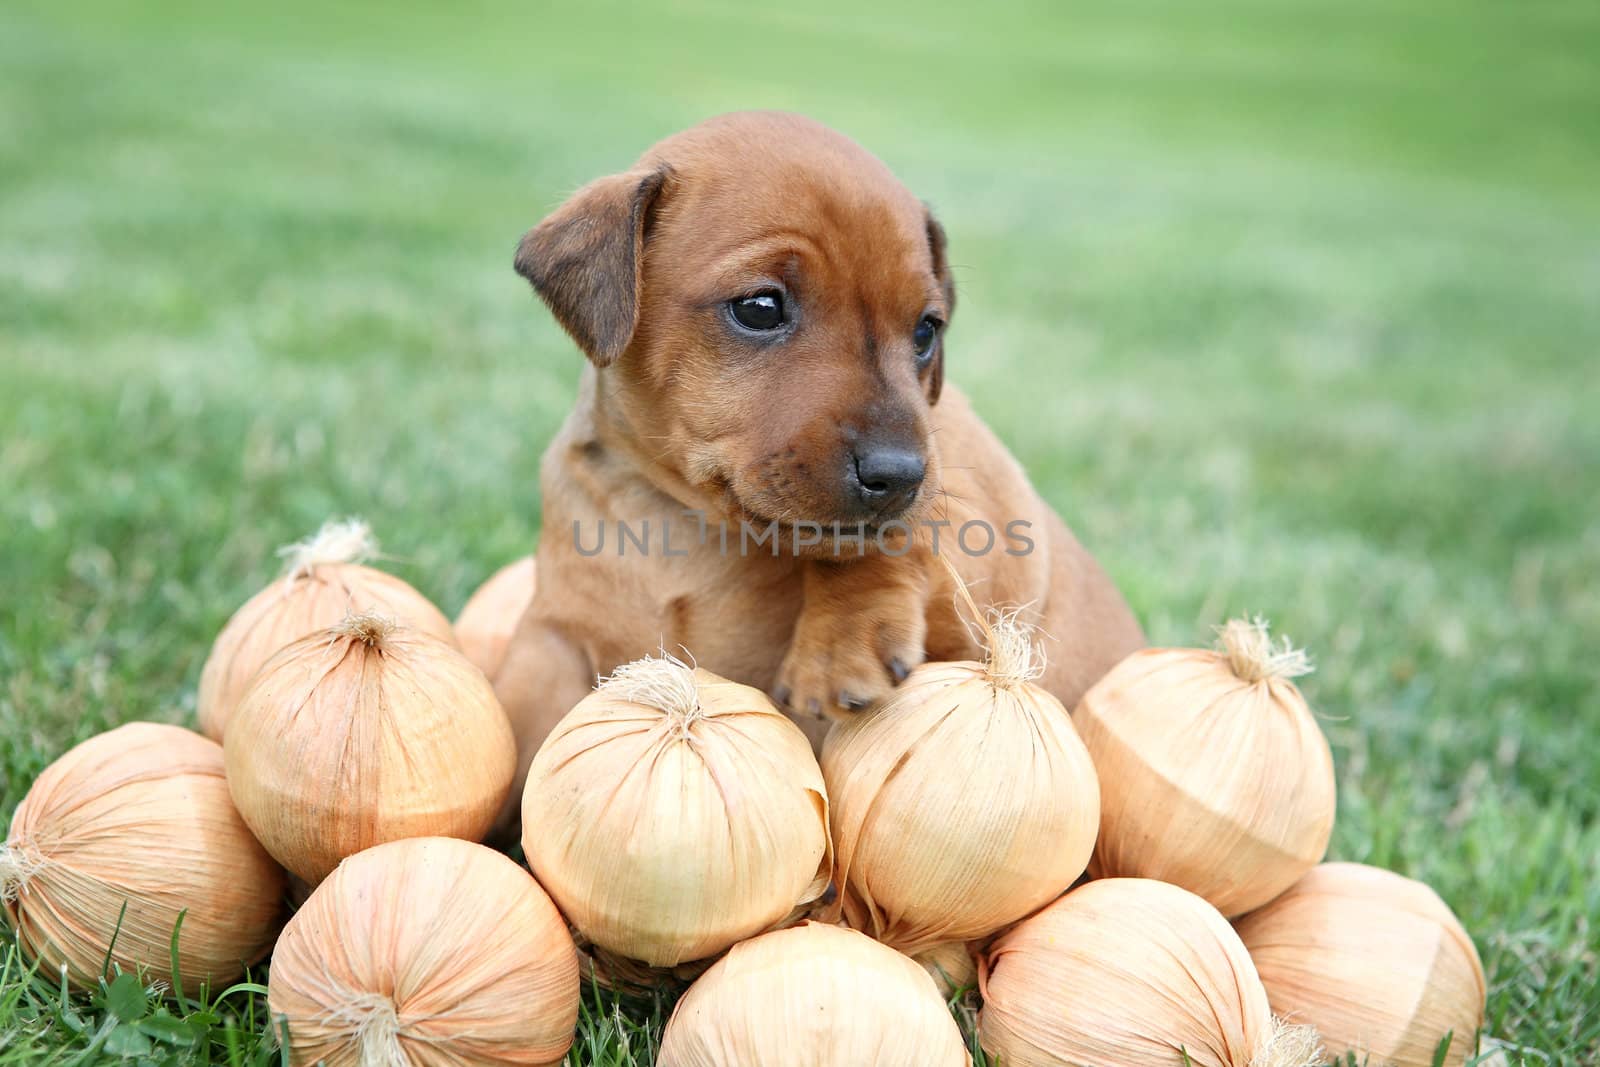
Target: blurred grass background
[[1290, 307]]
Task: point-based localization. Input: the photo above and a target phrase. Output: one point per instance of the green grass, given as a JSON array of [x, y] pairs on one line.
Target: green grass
[[1290, 307]]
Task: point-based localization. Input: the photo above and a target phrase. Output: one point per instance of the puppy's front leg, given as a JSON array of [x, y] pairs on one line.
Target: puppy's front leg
[[861, 629]]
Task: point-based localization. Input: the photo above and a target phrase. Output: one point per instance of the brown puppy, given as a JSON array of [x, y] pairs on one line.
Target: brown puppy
[[763, 448]]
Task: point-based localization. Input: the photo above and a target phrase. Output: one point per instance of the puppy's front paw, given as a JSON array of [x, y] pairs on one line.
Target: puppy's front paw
[[846, 657]]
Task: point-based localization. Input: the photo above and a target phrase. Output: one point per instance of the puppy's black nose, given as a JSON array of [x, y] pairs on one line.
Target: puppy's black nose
[[887, 478]]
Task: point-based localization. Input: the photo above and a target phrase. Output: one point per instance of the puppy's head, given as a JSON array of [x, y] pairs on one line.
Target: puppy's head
[[767, 303]]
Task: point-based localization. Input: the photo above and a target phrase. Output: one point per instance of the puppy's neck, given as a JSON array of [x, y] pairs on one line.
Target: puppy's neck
[[637, 448]]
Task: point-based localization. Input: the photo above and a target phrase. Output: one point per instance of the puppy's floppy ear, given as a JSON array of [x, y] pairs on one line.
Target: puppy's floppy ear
[[941, 271], [585, 260]]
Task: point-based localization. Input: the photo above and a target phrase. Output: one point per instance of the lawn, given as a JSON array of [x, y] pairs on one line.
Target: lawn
[[1287, 307]]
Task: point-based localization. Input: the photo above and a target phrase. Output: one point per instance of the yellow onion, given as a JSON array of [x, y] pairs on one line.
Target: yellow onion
[[323, 582], [484, 627], [812, 995], [1213, 772], [1132, 972], [369, 731], [1375, 961], [672, 813], [429, 952], [963, 803], [138, 818]]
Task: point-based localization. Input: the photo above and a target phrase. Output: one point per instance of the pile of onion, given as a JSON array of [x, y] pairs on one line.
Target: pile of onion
[[119, 838], [490, 616], [324, 581], [1214, 774], [426, 951], [1375, 961], [672, 813], [369, 731], [1133, 972], [812, 994], [928, 855]]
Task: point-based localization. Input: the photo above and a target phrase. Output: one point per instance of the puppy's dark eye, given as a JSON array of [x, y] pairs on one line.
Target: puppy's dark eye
[[759, 311], [923, 338]]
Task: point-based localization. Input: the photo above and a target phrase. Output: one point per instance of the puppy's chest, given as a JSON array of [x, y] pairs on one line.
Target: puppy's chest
[[668, 581], [736, 620]]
